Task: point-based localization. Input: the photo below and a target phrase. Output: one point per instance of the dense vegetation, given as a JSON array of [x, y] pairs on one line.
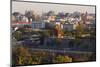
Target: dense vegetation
[[22, 56]]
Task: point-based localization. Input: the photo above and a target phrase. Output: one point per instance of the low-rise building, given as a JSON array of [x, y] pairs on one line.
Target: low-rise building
[[89, 26], [68, 27], [38, 25]]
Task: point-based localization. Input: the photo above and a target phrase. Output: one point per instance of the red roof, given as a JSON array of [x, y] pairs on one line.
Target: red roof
[[21, 23], [24, 22]]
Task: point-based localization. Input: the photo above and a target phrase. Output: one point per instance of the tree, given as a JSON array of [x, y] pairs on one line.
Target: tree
[[61, 59], [37, 18], [66, 14], [57, 31], [61, 14], [16, 13], [30, 15], [17, 35], [79, 30], [51, 13], [21, 56], [76, 14]]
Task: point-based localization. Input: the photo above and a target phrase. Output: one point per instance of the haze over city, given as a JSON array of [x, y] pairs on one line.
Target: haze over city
[[45, 7]]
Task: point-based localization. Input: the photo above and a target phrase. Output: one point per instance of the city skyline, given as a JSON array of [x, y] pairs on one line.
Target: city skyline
[[40, 8]]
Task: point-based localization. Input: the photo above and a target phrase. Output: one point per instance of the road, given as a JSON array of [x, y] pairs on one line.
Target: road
[[61, 51]]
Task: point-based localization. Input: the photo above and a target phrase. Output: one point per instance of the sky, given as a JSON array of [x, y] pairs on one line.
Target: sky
[[40, 8]]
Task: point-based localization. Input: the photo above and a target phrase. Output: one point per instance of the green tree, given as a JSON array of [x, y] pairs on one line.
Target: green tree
[[21, 56], [60, 59], [79, 30], [17, 35]]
